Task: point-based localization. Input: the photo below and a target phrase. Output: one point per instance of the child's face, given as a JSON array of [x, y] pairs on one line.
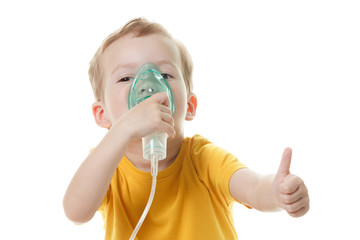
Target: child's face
[[121, 60]]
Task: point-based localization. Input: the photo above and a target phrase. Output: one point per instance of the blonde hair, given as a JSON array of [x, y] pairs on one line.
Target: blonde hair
[[139, 27]]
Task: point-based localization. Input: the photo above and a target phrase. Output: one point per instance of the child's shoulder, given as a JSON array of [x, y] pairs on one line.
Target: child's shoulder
[[202, 149], [196, 141]]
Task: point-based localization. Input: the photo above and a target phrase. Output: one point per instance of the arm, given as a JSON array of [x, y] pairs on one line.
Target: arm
[[254, 190], [89, 185], [271, 192]]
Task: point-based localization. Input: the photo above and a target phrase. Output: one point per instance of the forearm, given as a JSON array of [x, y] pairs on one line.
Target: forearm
[[91, 181], [264, 197], [271, 192]]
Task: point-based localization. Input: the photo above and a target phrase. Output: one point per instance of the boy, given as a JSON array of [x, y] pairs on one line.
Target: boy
[[197, 182]]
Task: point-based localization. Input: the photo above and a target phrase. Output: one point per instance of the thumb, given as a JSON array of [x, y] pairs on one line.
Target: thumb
[[162, 98], [284, 168]]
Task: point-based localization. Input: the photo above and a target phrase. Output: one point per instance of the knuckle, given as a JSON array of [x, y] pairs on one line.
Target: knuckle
[[300, 182], [305, 191], [284, 199], [284, 188], [288, 199], [291, 208]]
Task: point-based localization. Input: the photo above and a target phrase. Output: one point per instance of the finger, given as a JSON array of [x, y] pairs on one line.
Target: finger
[[290, 184], [162, 98], [301, 212], [167, 118], [167, 128], [296, 206], [165, 109], [291, 198], [284, 168]]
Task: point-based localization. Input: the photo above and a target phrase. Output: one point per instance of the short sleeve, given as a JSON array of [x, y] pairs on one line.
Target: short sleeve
[[215, 166]]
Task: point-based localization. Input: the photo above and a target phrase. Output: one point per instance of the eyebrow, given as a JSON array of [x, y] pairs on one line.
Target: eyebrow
[[126, 66], [165, 62], [133, 65]]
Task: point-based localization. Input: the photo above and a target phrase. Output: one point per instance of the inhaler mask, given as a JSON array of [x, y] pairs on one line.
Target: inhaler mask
[[149, 80]]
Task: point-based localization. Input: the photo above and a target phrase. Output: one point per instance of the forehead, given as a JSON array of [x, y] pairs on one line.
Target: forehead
[[133, 51]]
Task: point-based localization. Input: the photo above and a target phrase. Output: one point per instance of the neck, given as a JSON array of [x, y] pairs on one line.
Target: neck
[[134, 154]]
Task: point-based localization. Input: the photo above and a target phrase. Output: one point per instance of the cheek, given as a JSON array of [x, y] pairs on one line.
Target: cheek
[[117, 102], [180, 102], [180, 111]]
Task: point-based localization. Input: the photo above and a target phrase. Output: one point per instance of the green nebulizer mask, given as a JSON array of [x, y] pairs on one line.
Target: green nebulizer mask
[[149, 80]]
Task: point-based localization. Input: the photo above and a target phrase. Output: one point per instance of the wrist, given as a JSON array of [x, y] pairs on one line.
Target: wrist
[[114, 143], [267, 194]]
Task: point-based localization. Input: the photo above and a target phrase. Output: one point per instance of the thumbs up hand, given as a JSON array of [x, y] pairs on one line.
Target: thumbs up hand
[[291, 192]]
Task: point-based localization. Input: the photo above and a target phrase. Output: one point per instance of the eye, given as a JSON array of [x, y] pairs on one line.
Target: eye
[[125, 79], [166, 76]]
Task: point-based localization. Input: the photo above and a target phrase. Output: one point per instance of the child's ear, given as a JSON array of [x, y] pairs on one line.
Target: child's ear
[[192, 105], [100, 116]]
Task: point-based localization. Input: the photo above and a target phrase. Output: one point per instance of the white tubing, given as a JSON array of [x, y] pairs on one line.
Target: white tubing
[[154, 171]]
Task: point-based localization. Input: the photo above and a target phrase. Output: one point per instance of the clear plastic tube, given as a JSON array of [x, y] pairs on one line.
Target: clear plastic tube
[[154, 172]]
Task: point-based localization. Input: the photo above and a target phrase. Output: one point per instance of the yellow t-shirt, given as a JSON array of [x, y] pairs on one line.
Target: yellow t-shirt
[[192, 198]]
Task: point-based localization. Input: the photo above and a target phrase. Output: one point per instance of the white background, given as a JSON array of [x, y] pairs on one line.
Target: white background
[[268, 74]]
